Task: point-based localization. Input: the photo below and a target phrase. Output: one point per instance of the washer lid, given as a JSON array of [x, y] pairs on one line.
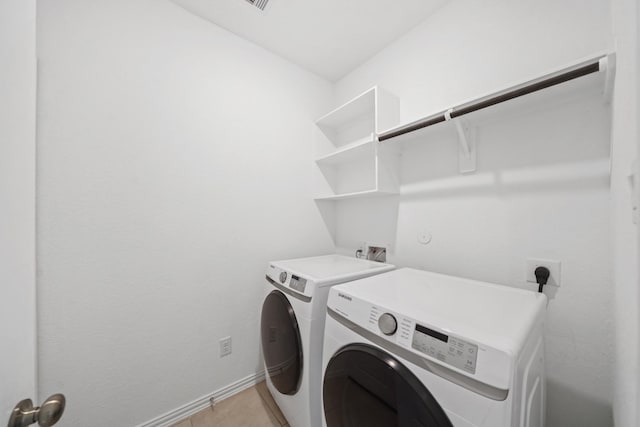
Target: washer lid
[[331, 269]]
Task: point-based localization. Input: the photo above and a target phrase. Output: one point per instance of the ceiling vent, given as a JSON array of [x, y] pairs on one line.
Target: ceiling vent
[[260, 4]]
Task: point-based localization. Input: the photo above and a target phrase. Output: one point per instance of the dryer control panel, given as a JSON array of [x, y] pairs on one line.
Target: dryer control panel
[[451, 350], [448, 349], [439, 344]]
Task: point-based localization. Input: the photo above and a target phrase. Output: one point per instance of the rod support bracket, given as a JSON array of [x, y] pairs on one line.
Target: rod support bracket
[[607, 64], [467, 143]]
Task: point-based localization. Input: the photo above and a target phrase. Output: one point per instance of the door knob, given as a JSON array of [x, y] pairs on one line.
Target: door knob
[[48, 414]]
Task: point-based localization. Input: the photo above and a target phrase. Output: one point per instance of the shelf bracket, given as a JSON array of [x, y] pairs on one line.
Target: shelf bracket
[[607, 65], [467, 147]]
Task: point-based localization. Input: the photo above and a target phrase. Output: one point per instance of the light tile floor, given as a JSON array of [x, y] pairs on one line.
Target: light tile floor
[[252, 407]]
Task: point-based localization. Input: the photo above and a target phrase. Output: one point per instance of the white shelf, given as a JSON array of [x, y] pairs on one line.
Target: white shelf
[[351, 152], [574, 84], [577, 89], [351, 164], [361, 105], [358, 194]]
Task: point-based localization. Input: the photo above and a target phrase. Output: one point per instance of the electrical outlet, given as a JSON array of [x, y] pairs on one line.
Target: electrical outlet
[[225, 346], [553, 266]]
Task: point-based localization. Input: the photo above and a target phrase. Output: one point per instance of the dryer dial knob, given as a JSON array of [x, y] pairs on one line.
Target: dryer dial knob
[[283, 277], [388, 324]]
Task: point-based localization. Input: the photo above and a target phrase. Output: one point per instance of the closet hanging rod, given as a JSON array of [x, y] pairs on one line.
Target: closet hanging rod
[[565, 75]]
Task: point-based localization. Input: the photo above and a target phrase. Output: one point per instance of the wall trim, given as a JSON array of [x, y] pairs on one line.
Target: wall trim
[[169, 418]]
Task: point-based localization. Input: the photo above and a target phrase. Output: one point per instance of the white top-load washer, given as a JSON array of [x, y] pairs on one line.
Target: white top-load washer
[[292, 327], [414, 348]]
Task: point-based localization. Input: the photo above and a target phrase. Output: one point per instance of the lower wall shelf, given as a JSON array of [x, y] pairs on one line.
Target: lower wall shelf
[[357, 194]]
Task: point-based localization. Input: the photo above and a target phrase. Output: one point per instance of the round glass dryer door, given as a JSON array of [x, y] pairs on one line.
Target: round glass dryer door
[[365, 386], [281, 345]]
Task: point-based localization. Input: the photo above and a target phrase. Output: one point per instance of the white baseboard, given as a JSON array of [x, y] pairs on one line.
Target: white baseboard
[[185, 411]]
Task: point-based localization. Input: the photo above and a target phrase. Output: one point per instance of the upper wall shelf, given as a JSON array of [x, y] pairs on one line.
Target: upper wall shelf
[[586, 77], [348, 160], [361, 105]]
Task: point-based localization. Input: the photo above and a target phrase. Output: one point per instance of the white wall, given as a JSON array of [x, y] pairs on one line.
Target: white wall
[[625, 233], [542, 185], [173, 164], [17, 200]]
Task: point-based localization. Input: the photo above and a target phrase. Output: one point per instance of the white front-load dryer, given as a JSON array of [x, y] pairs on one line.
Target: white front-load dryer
[[292, 328], [413, 348]]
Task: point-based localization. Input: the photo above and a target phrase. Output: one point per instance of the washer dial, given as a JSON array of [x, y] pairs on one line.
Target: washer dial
[[388, 324]]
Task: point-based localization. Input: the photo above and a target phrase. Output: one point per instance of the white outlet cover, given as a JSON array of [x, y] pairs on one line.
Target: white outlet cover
[[225, 346], [552, 265]]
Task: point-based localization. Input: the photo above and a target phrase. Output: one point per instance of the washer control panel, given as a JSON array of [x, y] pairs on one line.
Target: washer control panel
[[451, 350], [293, 282], [298, 283]]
